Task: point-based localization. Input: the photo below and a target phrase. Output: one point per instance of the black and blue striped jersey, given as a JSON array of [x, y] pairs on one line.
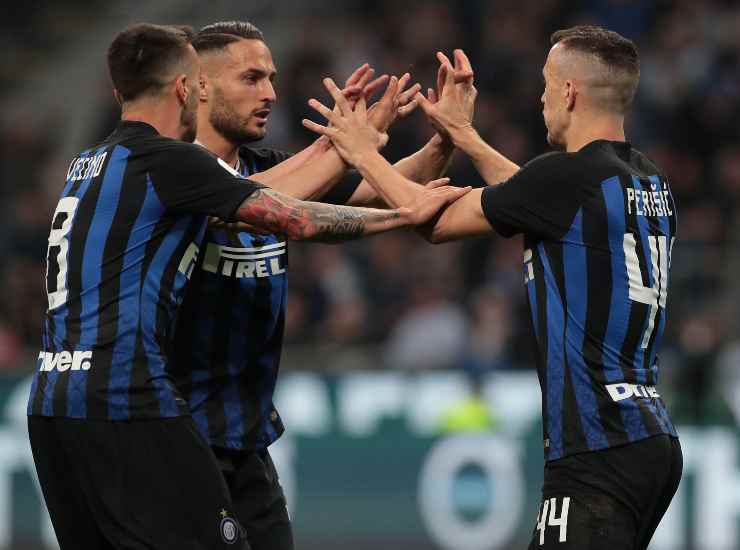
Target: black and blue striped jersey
[[124, 239], [599, 226], [230, 334]]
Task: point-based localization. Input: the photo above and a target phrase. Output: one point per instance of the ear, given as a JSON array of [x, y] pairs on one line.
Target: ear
[[181, 88], [570, 95], [204, 86], [118, 96]]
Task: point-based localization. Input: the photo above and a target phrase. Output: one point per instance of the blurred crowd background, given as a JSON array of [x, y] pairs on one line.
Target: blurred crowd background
[[394, 301]]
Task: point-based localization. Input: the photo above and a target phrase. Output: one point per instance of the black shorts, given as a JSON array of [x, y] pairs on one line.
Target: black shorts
[[150, 484], [612, 499], [258, 498]]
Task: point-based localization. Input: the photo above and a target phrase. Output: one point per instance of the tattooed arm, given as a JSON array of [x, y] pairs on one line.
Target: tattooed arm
[[303, 220]]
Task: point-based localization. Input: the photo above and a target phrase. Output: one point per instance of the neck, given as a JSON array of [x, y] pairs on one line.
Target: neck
[[162, 115], [216, 143], [586, 130]]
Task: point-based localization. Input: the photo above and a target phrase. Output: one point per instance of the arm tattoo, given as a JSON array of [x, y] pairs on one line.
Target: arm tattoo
[[302, 220]]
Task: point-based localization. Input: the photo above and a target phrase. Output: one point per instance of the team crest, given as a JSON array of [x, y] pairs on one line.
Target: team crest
[[229, 529]]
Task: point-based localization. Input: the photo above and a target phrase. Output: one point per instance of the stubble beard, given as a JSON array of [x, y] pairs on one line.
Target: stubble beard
[[230, 124]]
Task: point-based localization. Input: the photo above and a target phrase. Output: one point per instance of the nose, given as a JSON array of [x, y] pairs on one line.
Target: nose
[[269, 92]]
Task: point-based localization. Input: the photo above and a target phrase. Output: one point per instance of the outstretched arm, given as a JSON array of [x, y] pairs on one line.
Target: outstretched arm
[[463, 218], [302, 220], [450, 117]]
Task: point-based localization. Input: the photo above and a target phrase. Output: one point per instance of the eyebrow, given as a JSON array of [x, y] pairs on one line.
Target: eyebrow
[[259, 72]]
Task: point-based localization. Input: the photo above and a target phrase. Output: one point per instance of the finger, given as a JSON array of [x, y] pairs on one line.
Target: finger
[[463, 77], [318, 128], [441, 77], [403, 82], [357, 74], [437, 183], [424, 103], [444, 60], [450, 194], [361, 108], [432, 95], [323, 110], [339, 99], [409, 94], [365, 78], [371, 88], [462, 62], [406, 110], [449, 73], [352, 91], [391, 90]]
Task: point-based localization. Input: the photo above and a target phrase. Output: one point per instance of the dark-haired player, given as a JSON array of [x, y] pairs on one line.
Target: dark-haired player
[[599, 224], [119, 459], [229, 337]]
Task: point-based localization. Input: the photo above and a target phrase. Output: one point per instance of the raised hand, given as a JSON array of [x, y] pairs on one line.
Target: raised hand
[[360, 84], [452, 106], [396, 102], [349, 129]]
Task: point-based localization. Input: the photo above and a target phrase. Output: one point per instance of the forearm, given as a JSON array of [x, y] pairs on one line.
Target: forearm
[[300, 159], [311, 221], [491, 165], [391, 186], [428, 163], [312, 179]]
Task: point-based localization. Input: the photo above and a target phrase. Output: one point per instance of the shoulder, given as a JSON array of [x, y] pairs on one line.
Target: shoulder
[[545, 171], [548, 167], [164, 147], [644, 164]]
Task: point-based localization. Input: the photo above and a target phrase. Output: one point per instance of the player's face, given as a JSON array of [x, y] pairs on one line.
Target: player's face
[[554, 105], [243, 93]]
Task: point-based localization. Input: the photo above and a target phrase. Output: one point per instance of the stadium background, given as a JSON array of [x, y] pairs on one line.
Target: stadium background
[[390, 339]]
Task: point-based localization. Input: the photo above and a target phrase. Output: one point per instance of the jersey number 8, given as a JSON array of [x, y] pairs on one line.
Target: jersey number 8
[[56, 256]]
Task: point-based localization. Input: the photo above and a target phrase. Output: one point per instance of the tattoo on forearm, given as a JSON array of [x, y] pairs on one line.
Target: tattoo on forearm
[[300, 220]]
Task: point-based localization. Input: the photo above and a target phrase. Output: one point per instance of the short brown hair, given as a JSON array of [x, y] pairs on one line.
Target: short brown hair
[[141, 56], [217, 36], [615, 52]]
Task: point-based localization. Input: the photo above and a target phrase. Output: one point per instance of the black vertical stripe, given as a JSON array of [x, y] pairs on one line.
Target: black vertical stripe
[[540, 339], [573, 432]]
